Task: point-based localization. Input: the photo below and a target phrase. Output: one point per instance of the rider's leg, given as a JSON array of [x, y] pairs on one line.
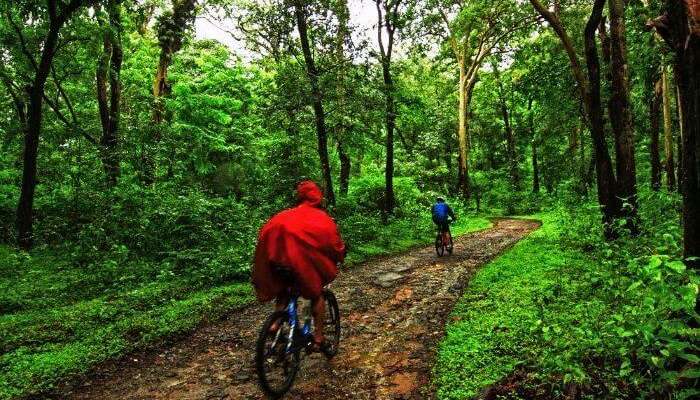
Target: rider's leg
[[281, 302], [318, 309], [280, 305]]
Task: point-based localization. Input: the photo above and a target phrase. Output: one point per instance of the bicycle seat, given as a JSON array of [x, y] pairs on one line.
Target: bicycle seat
[[286, 275]]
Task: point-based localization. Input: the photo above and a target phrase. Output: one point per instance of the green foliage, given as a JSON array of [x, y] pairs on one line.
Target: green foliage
[[123, 267], [142, 265], [567, 308]]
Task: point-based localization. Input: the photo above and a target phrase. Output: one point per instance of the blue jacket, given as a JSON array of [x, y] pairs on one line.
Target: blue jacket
[[441, 211]]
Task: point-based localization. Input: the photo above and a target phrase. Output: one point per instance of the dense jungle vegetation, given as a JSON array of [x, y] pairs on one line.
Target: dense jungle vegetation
[[139, 158]]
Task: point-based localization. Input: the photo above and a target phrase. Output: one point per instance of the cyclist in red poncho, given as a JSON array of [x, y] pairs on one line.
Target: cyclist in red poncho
[[302, 243]]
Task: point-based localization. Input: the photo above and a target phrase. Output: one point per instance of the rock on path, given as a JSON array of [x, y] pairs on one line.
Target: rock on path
[[393, 311]]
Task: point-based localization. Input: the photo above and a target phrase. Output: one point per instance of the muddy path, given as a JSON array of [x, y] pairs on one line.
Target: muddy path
[[393, 312]]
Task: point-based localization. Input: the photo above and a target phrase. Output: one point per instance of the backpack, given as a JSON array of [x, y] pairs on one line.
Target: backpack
[[440, 212]]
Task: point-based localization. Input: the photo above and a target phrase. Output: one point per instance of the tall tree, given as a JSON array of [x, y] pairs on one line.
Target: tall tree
[[472, 30], [679, 26], [108, 70], [172, 26], [342, 13], [621, 116], [316, 98], [57, 15], [669, 162], [533, 134], [508, 129], [387, 23], [654, 114], [588, 86]]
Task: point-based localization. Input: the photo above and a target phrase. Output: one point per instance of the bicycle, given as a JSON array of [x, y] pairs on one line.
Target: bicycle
[[443, 242], [278, 351]]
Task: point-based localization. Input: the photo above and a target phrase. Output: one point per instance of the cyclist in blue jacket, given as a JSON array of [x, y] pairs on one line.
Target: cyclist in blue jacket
[[441, 211]]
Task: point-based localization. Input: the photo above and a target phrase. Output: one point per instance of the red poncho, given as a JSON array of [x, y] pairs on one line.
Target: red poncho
[[303, 239]]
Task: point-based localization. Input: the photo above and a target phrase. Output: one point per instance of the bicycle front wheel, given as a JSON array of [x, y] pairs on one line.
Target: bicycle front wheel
[[331, 323], [276, 365]]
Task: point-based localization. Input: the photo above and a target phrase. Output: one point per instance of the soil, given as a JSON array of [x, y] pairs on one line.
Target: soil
[[393, 312]]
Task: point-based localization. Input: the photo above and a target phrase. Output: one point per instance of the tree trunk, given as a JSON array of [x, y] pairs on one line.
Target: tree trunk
[[342, 12], [390, 125], [688, 82], [510, 137], [590, 93], [533, 134], [574, 140], [621, 118], [688, 78], [668, 132], [679, 144], [388, 22], [463, 184], [316, 100], [605, 177], [25, 206], [535, 168], [171, 32], [654, 159], [344, 169], [680, 27], [109, 67]]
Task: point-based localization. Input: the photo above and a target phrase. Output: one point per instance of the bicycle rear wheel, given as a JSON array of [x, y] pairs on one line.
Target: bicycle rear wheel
[[276, 367], [439, 248], [331, 323]]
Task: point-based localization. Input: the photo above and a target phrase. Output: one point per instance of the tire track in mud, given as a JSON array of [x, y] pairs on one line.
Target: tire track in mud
[[393, 312]]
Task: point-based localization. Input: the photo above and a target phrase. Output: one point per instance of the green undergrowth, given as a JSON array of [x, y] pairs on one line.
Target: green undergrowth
[[65, 308], [556, 315], [403, 235]]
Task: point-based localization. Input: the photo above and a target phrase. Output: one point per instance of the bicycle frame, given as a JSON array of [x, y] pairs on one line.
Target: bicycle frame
[[293, 317]]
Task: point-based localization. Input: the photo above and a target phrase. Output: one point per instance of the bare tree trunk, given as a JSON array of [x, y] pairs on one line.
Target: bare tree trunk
[[466, 87], [668, 132], [344, 169], [109, 67], [621, 118], [574, 140], [654, 111], [342, 12], [589, 90], [680, 28], [388, 21], [390, 125], [679, 143], [533, 134], [605, 176], [25, 206], [510, 137], [535, 168], [462, 132], [316, 100]]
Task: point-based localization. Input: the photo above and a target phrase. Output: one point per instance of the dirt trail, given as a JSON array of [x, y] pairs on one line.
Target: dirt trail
[[393, 311]]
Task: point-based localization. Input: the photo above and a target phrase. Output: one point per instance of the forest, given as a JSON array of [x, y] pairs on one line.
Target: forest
[[143, 143]]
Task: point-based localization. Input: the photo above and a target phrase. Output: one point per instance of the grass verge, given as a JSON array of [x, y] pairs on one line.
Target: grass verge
[[58, 317], [563, 314]]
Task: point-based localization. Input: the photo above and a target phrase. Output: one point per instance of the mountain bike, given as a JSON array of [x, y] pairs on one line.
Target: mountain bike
[[278, 350], [443, 242]]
